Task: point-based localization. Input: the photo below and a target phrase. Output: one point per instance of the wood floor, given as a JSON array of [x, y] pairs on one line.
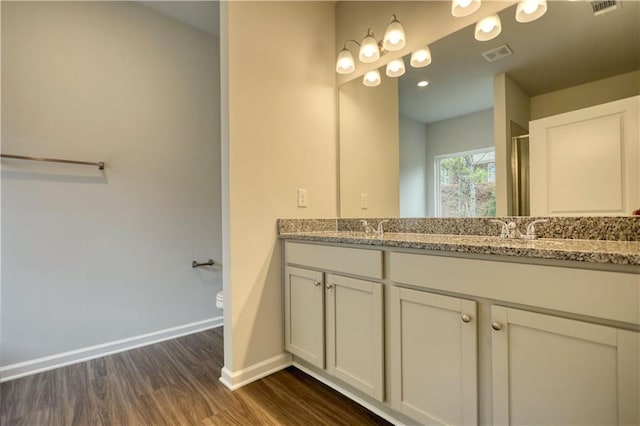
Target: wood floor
[[172, 383]]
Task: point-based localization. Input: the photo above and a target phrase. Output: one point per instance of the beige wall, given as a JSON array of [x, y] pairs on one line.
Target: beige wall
[[279, 134], [424, 22], [369, 149], [511, 105], [91, 257], [586, 95]]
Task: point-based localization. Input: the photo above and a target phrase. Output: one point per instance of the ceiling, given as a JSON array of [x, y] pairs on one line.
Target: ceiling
[[566, 47], [203, 15]]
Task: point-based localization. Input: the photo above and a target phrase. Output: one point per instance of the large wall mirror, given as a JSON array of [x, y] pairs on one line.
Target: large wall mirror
[[459, 146]]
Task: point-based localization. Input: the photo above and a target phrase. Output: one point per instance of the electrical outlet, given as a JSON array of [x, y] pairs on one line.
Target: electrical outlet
[[364, 201], [302, 198]]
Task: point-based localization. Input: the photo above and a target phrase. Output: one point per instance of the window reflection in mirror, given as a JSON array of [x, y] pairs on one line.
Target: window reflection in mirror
[[466, 184]]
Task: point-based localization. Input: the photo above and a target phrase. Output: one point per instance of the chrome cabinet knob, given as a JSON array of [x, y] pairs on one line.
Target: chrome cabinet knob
[[316, 283], [329, 286], [496, 326], [466, 318]]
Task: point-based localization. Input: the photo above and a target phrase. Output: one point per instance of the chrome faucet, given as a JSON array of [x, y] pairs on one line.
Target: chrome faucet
[[510, 229], [370, 229], [380, 227], [531, 230], [507, 228]]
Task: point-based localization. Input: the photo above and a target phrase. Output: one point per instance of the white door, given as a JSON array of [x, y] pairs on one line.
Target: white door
[[434, 357], [586, 162], [355, 333], [555, 371], [304, 314]]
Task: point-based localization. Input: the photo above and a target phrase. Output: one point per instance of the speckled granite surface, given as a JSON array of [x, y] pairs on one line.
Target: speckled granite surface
[[594, 251], [602, 240], [580, 228], [286, 226]]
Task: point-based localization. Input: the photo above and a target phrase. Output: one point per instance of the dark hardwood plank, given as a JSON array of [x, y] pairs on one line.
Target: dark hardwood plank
[[172, 383]]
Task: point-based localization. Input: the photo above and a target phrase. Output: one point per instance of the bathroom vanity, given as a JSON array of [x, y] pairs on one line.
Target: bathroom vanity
[[468, 329]]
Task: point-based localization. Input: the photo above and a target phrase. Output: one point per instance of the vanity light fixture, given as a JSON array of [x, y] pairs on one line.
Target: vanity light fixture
[[530, 10], [488, 28], [423, 83], [371, 79], [460, 8], [421, 58], [370, 49], [395, 68]]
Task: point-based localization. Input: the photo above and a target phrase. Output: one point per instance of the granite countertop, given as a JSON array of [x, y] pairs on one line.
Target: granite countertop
[[593, 251]]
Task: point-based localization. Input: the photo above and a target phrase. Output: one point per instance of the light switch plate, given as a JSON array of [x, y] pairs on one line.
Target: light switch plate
[[364, 201], [302, 198]]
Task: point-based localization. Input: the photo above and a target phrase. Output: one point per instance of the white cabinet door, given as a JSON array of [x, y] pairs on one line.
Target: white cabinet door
[[355, 333], [550, 370], [434, 357], [586, 162], [304, 314]]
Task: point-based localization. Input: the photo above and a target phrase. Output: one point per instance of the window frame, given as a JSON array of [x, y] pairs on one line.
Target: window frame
[[436, 168]]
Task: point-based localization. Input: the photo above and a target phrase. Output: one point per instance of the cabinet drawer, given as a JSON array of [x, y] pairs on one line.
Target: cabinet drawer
[[601, 294], [366, 263]]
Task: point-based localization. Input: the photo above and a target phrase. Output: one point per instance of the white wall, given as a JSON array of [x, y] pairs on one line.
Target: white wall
[[459, 134], [586, 95], [91, 257], [369, 149], [279, 134], [413, 168]]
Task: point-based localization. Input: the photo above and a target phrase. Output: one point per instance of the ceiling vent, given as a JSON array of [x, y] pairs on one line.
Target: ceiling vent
[[497, 53], [605, 6]]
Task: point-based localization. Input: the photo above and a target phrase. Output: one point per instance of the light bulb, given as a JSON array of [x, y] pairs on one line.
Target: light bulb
[[530, 7], [371, 79], [395, 68], [421, 55], [369, 50], [530, 10], [488, 28], [394, 37], [460, 8], [421, 58], [345, 63]]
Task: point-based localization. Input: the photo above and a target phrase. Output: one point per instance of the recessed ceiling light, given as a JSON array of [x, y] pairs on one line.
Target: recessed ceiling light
[[423, 83]]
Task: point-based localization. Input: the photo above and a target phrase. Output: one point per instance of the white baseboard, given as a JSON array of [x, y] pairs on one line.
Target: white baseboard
[[15, 371], [349, 395], [236, 379]]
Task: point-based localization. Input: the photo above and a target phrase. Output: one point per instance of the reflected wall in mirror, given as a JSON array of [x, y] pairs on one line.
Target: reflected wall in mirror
[[446, 149]]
